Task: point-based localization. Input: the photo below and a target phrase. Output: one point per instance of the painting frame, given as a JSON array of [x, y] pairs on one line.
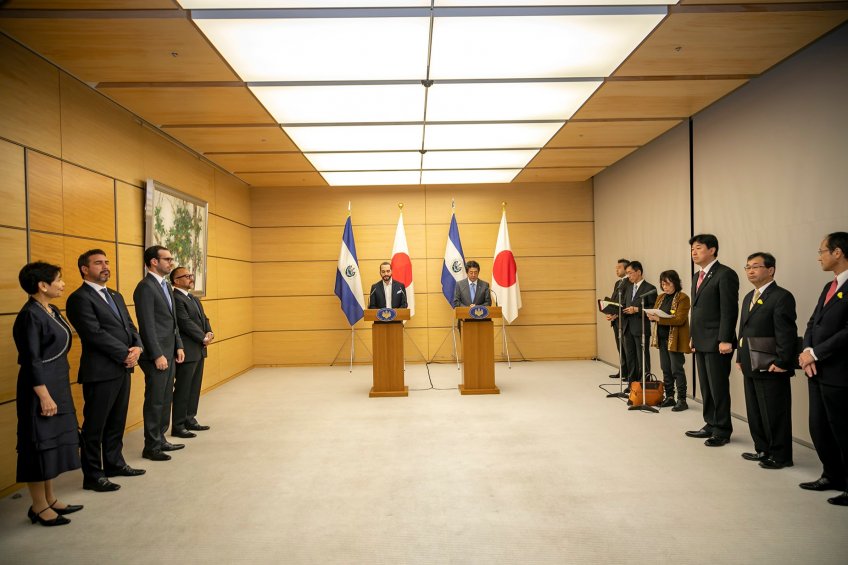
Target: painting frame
[[180, 222]]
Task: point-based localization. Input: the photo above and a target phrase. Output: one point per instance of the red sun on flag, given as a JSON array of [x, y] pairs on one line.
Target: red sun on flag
[[402, 268], [504, 269]]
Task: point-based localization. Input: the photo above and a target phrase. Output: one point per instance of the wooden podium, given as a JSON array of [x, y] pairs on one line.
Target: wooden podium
[[478, 350], [387, 343]]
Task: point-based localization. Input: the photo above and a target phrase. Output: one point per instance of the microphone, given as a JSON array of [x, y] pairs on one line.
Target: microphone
[[496, 300]]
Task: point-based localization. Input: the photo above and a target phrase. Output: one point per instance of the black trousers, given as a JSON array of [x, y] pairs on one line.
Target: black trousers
[[158, 394], [187, 381], [829, 429], [714, 378], [619, 347], [105, 417], [635, 353], [768, 401], [672, 365]]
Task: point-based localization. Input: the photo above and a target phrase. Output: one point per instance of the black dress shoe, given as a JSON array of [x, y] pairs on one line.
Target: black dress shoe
[[168, 446], [771, 463], [702, 433], [68, 509], [615, 376], [717, 441], [821, 484], [125, 471], [101, 484], [195, 427], [155, 455], [680, 406], [34, 517], [758, 456], [185, 434], [668, 403], [841, 500]]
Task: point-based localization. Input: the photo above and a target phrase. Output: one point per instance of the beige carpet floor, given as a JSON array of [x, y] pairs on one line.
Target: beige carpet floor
[[300, 466]]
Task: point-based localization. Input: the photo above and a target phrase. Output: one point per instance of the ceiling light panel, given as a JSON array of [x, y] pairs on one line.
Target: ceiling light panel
[[372, 178], [357, 138], [489, 136], [510, 101], [517, 158], [320, 49], [343, 103], [252, 4], [485, 3], [376, 161], [468, 177], [536, 46]]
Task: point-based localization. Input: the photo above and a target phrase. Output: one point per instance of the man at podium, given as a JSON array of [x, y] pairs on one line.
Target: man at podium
[[386, 287], [472, 291]]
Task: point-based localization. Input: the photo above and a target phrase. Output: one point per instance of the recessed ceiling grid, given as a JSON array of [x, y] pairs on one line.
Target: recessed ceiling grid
[[411, 92]]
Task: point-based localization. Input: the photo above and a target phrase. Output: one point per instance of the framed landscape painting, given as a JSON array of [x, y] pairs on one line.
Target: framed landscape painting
[[179, 222]]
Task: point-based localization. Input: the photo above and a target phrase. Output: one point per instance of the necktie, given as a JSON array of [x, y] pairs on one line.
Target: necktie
[[196, 303], [831, 291], [473, 291], [700, 280], [635, 288], [111, 302], [754, 300], [167, 295]]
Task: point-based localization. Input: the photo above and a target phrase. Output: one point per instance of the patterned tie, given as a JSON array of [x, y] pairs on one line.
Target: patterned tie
[[167, 295], [635, 288], [111, 302], [754, 300], [700, 280], [831, 291], [473, 291], [196, 303]]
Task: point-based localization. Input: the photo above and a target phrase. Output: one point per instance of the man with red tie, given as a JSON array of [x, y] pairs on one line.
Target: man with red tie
[[825, 362]]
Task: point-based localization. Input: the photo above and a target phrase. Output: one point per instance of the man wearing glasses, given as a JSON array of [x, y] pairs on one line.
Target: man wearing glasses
[[825, 362], [196, 334], [767, 324], [163, 348]]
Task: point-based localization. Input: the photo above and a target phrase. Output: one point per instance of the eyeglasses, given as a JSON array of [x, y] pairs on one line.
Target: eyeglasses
[[189, 275], [168, 259], [822, 251], [752, 267]]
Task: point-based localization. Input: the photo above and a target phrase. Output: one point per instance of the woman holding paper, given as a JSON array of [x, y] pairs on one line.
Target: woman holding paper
[[672, 338]]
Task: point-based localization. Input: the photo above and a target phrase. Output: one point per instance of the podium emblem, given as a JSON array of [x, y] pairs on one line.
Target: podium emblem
[[479, 312], [386, 314]]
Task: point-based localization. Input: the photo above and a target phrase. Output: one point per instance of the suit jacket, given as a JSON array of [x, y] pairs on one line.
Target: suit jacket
[[157, 323], [827, 334], [105, 338], [633, 322], [377, 298], [193, 324], [773, 315], [715, 307], [462, 293], [623, 285]]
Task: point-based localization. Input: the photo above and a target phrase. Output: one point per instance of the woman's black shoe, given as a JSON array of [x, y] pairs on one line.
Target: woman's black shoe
[[36, 517], [69, 509]]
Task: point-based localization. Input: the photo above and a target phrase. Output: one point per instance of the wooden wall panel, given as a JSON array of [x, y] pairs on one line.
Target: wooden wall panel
[[130, 204], [13, 254], [236, 354], [235, 279], [44, 186], [99, 135], [527, 239], [175, 167], [211, 371], [29, 98], [89, 203], [232, 198], [554, 342], [233, 317], [8, 443], [9, 367], [211, 278], [232, 240], [134, 411], [129, 270], [12, 188]]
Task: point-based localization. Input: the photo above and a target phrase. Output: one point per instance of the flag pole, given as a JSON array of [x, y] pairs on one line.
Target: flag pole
[[352, 335], [453, 325]]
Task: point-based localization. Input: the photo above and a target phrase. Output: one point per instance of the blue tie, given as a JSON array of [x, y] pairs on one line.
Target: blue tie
[[473, 291], [111, 302], [167, 295]]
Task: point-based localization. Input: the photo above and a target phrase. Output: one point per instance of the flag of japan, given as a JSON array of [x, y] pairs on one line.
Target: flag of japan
[[505, 275], [402, 265]]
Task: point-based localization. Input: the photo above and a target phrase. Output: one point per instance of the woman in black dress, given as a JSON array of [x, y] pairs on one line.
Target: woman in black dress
[[48, 444]]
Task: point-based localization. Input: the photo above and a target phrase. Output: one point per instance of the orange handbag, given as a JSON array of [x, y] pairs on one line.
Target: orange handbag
[[654, 391]]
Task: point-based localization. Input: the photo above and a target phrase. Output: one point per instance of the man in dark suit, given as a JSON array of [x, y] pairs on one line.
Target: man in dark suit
[[472, 291], [196, 333], [163, 347], [825, 362], [634, 326], [715, 306], [387, 287], [111, 347], [618, 290], [768, 311]]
